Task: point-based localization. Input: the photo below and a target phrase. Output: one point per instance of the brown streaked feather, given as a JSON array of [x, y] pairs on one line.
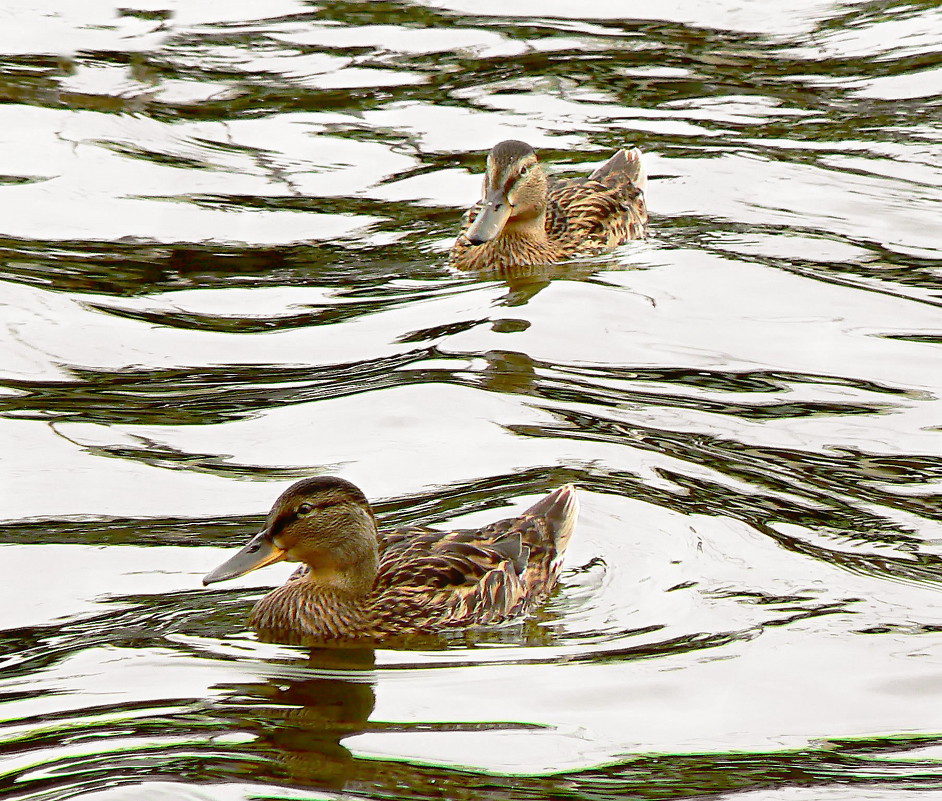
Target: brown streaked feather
[[510, 566], [473, 579]]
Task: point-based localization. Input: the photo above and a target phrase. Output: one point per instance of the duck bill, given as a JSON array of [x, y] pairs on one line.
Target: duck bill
[[259, 552], [491, 219]]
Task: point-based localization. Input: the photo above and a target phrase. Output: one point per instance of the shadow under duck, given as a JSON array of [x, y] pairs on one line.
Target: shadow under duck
[[526, 217], [359, 583]]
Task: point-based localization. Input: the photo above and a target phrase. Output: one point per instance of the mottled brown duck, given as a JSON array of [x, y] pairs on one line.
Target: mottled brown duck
[[526, 217], [357, 583]]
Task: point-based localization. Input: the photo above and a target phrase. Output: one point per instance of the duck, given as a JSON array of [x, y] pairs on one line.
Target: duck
[[359, 584], [526, 217]]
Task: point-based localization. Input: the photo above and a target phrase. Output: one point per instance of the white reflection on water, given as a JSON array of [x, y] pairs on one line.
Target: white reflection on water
[[223, 265]]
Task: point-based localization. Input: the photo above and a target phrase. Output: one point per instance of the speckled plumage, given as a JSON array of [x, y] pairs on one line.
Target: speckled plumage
[[539, 219], [400, 582]]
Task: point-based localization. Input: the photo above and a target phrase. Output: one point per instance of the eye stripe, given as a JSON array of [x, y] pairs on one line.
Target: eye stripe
[[312, 506], [309, 507], [512, 178]]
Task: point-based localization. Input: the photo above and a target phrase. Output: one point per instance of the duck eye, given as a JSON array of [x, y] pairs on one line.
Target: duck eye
[[304, 509], [524, 170]]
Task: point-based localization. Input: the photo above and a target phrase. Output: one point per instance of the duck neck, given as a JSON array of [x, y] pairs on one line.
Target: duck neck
[[343, 558], [519, 244], [530, 229], [305, 610], [326, 599]]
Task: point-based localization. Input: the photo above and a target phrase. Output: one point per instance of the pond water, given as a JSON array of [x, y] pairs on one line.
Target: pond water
[[223, 258]]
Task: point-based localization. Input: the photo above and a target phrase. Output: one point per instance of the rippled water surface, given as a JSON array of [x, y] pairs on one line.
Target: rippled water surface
[[223, 266]]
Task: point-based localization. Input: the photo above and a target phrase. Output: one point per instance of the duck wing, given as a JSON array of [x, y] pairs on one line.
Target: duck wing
[[431, 579], [544, 531], [603, 210]]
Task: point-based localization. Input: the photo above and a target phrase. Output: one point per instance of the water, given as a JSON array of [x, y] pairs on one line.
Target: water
[[223, 263]]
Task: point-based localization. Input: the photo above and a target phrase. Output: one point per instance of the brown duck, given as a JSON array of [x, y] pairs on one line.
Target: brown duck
[[359, 583], [527, 218]]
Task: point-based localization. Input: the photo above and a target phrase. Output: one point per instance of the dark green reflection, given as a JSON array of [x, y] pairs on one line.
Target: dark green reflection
[[290, 733]]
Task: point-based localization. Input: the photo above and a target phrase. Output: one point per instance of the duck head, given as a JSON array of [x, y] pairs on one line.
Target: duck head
[[514, 193], [324, 522]]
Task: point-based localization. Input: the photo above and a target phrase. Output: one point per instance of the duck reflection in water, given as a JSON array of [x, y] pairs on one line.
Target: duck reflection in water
[[527, 218], [300, 724], [358, 584]]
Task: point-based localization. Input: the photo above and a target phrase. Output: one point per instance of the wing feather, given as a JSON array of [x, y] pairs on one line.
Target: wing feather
[[436, 579]]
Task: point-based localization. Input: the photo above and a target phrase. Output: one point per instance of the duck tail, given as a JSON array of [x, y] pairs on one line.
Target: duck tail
[[624, 164], [636, 172], [560, 509]]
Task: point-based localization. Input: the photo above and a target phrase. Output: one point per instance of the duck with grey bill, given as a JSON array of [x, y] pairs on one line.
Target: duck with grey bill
[[357, 582], [259, 552], [526, 217]]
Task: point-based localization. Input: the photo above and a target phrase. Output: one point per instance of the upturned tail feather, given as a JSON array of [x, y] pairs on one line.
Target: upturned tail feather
[[624, 162], [560, 509]]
